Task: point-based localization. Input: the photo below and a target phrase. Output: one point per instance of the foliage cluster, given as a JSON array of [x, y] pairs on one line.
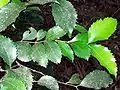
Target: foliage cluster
[[43, 46]]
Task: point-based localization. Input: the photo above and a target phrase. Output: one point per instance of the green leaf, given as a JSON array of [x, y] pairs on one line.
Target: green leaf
[[9, 13], [102, 29], [16, 1], [29, 35], [24, 51], [105, 57], [39, 54], [7, 50], [2, 87], [66, 50], [13, 84], [82, 50], [49, 82], [55, 33], [80, 28], [25, 75], [96, 80], [82, 37], [53, 51], [41, 1], [75, 79], [41, 34], [3, 2], [64, 15]]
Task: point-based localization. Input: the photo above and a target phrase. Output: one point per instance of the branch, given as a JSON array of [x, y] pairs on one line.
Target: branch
[[66, 84]]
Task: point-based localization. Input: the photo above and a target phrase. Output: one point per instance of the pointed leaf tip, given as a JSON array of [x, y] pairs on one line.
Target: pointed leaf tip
[[105, 57]]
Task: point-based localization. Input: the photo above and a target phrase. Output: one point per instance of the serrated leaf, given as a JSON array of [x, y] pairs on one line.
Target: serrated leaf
[[49, 82], [41, 1], [41, 34], [9, 13], [55, 33], [82, 37], [24, 51], [29, 35], [66, 50], [25, 75], [64, 15], [80, 28], [39, 54], [97, 79], [53, 51], [82, 50], [102, 29], [13, 84], [105, 57], [2, 87], [7, 50], [3, 2], [75, 79]]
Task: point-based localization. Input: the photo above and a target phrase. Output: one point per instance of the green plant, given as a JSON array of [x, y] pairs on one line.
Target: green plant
[[44, 46]]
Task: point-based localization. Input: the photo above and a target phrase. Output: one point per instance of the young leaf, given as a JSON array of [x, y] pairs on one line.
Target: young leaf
[[53, 51], [55, 33], [25, 75], [13, 84], [41, 34], [97, 79], [39, 54], [102, 29], [66, 50], [3, 2], [49, 82], [80, 28], [41, 1], [82, 50], [29, 35], [82, 37], [75, 79], [24, 51], [7, 50], [9, 13], [105, 57], [65, 15]]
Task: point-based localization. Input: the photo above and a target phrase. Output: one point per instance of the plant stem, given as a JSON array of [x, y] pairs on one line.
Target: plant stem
[[67, 84]]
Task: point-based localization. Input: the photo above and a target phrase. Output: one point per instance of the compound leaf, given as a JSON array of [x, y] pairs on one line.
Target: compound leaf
[[75, 79], [25, 75], [24, 51], [13, 84], [64, 15], [82, 50], [41, 34], [29, 35], [97, 79], [66, 50], [53, 51], [55, 33], [3, 2], [105, 57], [49, 82], [102, 29], [39, 54], [9, 13], [7, 50]]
